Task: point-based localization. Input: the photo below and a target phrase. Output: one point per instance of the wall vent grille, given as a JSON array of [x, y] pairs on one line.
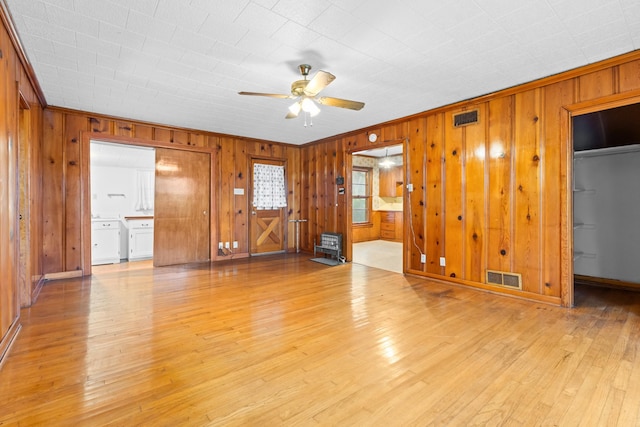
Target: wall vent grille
[[503, 278], [465, 119]]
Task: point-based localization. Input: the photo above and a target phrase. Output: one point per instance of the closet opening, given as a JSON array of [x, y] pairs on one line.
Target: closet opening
[[606, 198]]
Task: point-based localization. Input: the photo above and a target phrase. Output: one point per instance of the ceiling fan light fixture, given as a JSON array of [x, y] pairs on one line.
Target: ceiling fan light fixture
[[295, 108], [308, 106], [306, 94]]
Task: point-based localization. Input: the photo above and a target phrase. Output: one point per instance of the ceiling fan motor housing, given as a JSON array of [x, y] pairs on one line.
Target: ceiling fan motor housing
[[297, 87]]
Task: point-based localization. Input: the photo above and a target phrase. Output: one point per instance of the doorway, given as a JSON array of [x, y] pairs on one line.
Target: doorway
[[377, 207], [122, 181], [606, 198], [268, 206]]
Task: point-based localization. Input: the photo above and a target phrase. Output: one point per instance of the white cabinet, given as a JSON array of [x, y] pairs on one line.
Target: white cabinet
[[140, 239], [105, 242]]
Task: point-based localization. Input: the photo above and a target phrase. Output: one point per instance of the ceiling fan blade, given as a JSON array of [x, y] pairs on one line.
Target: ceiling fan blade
[[270, 95], [290, 115], [318, 82], [342, 103]]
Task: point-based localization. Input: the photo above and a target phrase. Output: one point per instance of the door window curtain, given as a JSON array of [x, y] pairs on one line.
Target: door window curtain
[[145, 190], [268, 187]]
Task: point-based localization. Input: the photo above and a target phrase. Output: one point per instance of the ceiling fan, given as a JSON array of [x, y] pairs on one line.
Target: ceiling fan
[[306, 92]]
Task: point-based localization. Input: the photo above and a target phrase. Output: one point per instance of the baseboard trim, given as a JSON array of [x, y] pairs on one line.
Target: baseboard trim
[[63, 275], [9, 339]]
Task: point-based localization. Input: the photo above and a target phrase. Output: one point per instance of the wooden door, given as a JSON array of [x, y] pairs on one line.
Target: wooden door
[[182, 203], [267, 226]]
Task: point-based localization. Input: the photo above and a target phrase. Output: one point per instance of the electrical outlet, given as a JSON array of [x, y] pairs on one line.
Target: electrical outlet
[[442, 262], [226, 245], [423, 258], [409, 188], [235, 244], [220, 245]]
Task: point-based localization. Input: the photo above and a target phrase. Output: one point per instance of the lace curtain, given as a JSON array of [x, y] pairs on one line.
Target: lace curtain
[[268, 187], [145, 190]]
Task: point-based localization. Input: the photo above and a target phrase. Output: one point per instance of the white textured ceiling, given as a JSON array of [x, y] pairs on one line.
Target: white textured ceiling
[[182, 62]]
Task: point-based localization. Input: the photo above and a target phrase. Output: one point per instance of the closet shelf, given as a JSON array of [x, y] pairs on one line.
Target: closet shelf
[[584, 226], [583, 191], [579, 254]]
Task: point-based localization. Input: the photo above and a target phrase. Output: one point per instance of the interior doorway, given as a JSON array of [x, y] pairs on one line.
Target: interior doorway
[[122, 182], [377, 207], [606, 197]]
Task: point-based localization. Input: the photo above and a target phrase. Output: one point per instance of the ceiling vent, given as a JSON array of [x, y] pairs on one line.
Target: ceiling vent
[[503, 278], [465, 119]]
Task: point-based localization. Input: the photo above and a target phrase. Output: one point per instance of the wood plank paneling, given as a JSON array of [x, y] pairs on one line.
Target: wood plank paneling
[[242, 205], [415, 200], [628, 76], [197, 140], [162, 134], [180, 137], [143, 132], [454, 188], [100, 125], [53, 206], [500, 187], [226, 167], [122, 128], [527, 194], [475, 155], [74, 125], [434, 227], [596, 85], [295, 191]]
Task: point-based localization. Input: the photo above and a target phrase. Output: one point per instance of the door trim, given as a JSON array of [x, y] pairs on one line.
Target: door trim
[[567, 113], [85, 182], [280, 161]]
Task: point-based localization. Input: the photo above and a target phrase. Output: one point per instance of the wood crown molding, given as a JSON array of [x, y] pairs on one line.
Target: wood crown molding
[[207, 133]]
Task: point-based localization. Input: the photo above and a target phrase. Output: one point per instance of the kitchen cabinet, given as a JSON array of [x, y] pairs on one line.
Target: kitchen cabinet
[[391, 225], [391, 181], [105, 242], [140, 239]]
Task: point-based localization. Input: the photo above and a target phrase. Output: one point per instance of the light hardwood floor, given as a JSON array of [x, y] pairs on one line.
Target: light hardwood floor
[[379, 254], [285, 341]]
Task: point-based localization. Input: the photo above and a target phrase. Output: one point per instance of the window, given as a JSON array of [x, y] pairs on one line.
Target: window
[[361, 195]]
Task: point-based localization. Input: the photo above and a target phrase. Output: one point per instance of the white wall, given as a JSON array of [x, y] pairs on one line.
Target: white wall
[[607, 215], [107, 183], [114, 179]]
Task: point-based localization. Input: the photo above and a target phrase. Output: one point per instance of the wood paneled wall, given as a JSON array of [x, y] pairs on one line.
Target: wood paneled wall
[[489, 196], [19, 140], [66, 161]]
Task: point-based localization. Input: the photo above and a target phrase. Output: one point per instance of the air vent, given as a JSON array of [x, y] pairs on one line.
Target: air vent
[[503, 278], [466, 118]]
